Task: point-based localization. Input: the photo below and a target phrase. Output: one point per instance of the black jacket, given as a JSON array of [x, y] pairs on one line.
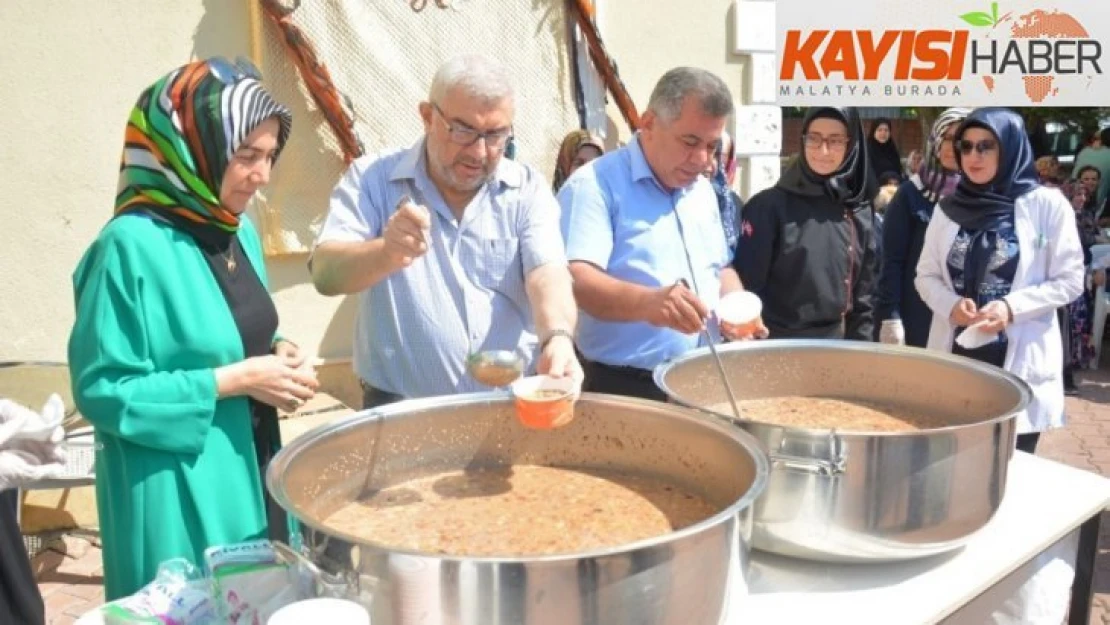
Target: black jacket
[[811, 259]]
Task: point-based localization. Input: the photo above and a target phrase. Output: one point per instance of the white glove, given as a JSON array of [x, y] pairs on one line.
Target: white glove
[[20, 468], [892, 332], [29, 443], [22, 424]]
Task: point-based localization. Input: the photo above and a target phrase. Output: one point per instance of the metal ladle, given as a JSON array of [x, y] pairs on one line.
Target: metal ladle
[[720, 365], [721, 370], [497, 368]]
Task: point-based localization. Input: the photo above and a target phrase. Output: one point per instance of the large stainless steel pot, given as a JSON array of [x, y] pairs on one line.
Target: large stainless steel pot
[[679, 578], [852, 496]]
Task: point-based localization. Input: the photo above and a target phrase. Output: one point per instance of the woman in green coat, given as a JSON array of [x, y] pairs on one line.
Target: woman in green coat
[[174, 355]]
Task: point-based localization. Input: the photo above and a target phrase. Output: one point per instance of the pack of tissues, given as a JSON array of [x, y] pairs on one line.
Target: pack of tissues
[[974, 336]]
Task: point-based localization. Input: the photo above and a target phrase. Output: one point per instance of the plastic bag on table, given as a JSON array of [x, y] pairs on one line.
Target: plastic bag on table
[[179, 595], [253, 580]]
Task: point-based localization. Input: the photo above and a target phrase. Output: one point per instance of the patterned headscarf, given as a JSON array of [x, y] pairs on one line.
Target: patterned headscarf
[[182, 134], [721, 179], [568, 151], [933, 180]]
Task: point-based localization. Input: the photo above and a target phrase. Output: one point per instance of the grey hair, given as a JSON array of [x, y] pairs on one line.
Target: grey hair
[[672, 89], [477, 76]]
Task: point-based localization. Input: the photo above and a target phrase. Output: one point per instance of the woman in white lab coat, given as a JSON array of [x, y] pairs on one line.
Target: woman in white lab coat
[[1004, 252]]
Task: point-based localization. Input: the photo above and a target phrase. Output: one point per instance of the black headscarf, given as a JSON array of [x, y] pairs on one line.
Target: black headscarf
[[975, 206], [852, 184], [884, 156], [983, 209]]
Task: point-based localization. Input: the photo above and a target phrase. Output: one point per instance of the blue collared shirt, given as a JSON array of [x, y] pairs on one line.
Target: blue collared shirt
[[618, 217], [467, 293]]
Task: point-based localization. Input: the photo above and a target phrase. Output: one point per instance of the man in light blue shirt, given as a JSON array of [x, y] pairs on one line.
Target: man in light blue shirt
[[452, 248], [645, 241]]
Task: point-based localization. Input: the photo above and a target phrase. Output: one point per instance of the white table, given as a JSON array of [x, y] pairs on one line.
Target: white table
[[1046, 505]]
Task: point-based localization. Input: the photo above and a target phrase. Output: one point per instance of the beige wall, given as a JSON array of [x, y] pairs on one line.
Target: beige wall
[[71, 72], [646, 43]]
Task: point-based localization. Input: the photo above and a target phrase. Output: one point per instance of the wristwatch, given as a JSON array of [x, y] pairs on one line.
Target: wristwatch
[[554, 333]]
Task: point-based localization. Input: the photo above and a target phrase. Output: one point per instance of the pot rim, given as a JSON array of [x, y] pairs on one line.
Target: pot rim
[[755, 449], [1025, 393]]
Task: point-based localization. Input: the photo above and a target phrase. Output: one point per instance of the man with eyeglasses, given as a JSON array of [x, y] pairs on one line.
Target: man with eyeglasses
[[645, 240], [452, 248]]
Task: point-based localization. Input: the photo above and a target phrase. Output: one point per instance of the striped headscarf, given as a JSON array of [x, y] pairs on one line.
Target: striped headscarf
[[934, 181], [721, 180], [181, 136]]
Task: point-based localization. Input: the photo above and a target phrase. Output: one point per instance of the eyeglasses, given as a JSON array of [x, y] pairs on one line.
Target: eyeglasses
[[982, 146], [466, 137], [815, 141], [230, 73]]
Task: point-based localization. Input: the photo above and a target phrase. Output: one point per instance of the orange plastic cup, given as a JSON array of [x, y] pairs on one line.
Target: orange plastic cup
[[543, 402], [741, 309]]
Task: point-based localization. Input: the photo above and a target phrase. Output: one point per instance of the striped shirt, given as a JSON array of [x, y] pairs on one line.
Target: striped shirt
[[467, 293]]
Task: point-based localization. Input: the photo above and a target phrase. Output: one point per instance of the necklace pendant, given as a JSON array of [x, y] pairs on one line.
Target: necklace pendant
[[231, 265]]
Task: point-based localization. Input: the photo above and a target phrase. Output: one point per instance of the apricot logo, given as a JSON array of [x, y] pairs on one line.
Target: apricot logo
[[1041, 48]]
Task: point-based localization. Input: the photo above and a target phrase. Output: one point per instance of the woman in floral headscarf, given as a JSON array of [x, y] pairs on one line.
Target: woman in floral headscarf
[[1077, 320], [578, 148], [721, 173], [902, 316], [174, 354]]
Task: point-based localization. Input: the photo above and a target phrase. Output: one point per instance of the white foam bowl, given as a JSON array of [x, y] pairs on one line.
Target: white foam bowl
[[321, 610], [739, 307]]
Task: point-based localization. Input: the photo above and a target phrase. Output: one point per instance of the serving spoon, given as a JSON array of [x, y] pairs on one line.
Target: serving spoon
[[497, 368]]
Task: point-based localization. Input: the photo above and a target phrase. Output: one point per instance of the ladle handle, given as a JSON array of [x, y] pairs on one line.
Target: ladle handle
[[724, 376], [720, 365]]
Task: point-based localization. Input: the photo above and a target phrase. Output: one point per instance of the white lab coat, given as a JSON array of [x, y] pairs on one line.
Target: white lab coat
[[1049, 275]]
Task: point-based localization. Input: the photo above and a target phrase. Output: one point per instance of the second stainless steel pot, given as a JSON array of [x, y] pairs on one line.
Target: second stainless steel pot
[[866, 496]]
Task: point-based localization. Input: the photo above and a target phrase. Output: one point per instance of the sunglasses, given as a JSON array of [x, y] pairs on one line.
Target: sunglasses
[[229, 72], [982, 147]]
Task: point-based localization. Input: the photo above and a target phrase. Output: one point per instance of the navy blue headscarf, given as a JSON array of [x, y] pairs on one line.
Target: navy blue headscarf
[[976, 206], [983, 209]]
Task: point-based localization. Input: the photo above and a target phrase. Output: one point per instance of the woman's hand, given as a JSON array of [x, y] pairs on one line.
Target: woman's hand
[[289, 353], [744, 331], [995, 316], [268, 379], [964, 313]]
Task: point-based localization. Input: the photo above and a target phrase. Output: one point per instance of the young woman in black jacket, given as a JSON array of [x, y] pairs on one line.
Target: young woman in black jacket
[[806, 245]]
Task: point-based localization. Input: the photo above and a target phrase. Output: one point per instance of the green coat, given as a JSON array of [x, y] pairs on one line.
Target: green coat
[[176, 470]]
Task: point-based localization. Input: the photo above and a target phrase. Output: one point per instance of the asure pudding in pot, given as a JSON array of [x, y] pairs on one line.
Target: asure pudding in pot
[[522, 510], [840, 414]]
